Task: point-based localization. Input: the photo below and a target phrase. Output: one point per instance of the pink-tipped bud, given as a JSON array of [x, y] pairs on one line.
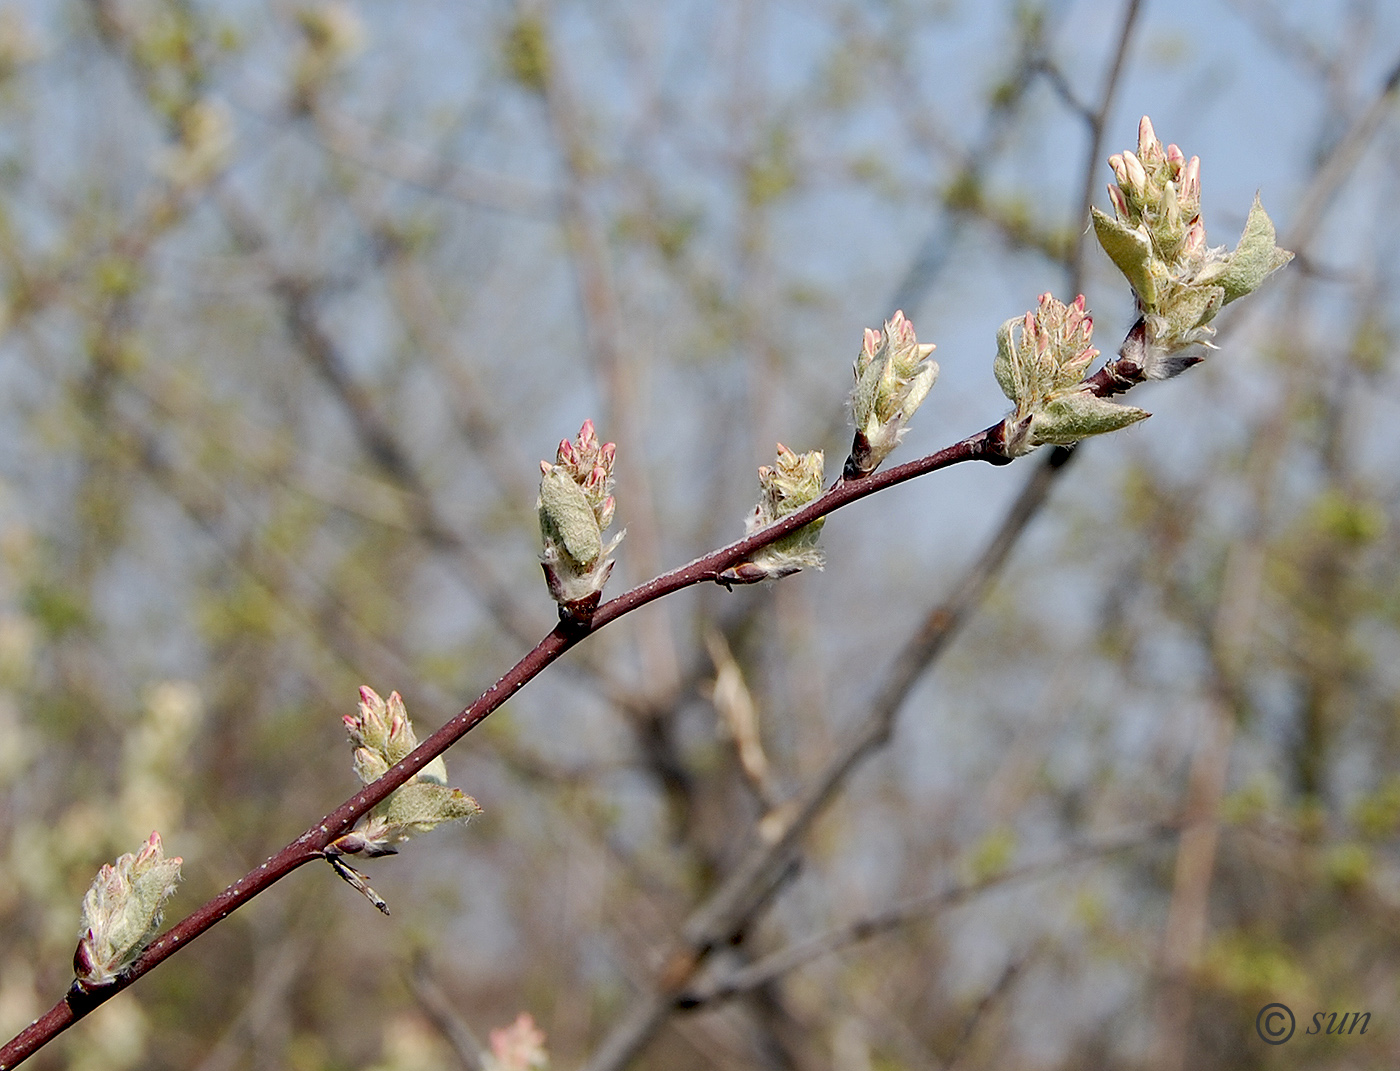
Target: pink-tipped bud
[[1120, 204], [1149, 148], [1120, 172], [608, 454], [122, 912], [871, 345], [566, 453], [149, 850], [1074, 318], [587, 437], [1175, 159], [1195, 238], [1137, 174], [1191, 180], [901, 329]]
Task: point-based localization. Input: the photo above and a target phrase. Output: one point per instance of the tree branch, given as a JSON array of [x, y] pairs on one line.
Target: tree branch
[[312, 843]]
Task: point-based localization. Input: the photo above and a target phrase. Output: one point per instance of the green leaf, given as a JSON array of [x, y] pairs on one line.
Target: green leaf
[[1005, 365], [422, 805], [567, 520], [1067, 418], [1131, 250], [1255, 258]]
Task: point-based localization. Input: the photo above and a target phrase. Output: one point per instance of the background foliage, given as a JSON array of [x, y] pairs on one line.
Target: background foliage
[[295, 296]]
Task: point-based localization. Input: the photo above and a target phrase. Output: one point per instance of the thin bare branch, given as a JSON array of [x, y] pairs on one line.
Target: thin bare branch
[[439, 1008], [777, 964]]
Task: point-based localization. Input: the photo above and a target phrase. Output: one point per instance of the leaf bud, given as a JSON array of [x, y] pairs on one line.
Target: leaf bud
[[575, 507], [1157, 240], [122, 912], [893, 376], [785, 487], [1040, 364], [383, 735]]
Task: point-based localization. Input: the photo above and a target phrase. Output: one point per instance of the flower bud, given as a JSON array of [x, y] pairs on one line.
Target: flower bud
[[785, 487], [1156, 239], [122, 912], [893, 377], [575, 507], [1040, 365], [383, 735]]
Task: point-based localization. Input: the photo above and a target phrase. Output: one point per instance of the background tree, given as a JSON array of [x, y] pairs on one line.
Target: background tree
[[296, 295]]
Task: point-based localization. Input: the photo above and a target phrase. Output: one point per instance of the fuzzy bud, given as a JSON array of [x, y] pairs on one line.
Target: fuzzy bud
[[122, 912], [575, 507], [1040, 365], [382, 736], [787, 485], [1157, 240], [893, 377]]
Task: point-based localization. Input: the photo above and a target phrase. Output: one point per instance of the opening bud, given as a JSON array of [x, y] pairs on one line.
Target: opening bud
[[382, 735], [893, 376], [1157, 240], [122, 912], [785, 487], [1041, 361], [575, 507]]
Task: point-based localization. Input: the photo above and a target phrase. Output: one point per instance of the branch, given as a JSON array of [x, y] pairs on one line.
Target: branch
[[311, 845], [759, 876], [773, 966], [438, 1007]]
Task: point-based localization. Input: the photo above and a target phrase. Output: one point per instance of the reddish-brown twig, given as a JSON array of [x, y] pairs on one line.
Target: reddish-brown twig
[[311, 845]]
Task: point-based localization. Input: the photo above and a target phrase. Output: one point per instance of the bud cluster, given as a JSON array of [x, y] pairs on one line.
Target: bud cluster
[[122, 912], [787, 485], [575, 507], [1157, 240], [1040, 365], [893, 377], [383, 735]]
